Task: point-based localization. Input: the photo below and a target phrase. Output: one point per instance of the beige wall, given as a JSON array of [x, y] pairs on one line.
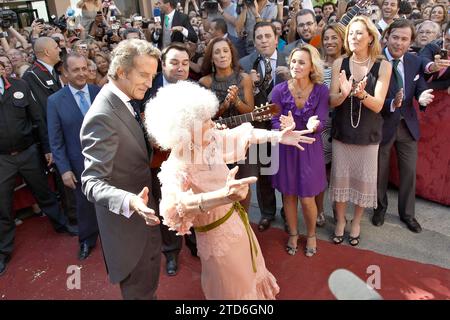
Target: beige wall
[[58, 7]]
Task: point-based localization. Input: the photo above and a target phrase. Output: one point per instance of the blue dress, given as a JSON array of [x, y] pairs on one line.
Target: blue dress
[[300, 173]]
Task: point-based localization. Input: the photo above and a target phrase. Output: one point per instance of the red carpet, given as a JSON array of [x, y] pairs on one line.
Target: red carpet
[[41, 257]]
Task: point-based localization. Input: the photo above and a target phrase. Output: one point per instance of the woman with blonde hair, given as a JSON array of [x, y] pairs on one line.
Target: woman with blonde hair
[[89, 10], [301, 175], [359, 84]]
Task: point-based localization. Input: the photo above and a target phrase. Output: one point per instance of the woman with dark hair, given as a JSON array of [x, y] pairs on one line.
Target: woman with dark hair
[[332, 48], [102, 61], [233, 88], [439, 14]]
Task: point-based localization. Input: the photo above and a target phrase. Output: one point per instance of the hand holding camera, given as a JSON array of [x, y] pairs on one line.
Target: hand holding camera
[[439, 63]]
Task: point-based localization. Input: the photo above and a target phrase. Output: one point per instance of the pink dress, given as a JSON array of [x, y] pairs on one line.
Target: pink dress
[[224, 251]]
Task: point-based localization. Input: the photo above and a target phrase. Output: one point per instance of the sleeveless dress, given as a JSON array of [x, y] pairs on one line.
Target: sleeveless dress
[[355, 150], [220, 88], [230, 269]]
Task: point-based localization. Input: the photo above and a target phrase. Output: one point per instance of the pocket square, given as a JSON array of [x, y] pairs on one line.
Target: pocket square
[[416, 77]]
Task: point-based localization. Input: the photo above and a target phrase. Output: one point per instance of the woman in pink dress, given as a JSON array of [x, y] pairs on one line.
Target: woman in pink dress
[[199, 190]]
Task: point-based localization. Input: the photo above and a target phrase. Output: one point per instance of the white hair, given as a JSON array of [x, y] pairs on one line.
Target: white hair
[[171, 115]]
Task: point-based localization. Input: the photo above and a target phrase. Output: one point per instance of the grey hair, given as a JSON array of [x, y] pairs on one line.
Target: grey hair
[[435, 26], [170, 116], [123, 55]]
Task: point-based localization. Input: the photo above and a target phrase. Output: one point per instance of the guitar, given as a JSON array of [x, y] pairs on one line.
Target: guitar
[[259, 114], [356, 9]]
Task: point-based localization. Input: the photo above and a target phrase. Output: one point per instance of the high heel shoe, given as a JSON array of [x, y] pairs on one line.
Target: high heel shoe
[[309, 252], [291, 250], [354, 241], [338, 239], [320, 222]]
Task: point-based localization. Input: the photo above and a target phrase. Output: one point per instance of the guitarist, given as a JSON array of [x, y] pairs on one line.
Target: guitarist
[[233, 88], [267, 67], [175, 67]]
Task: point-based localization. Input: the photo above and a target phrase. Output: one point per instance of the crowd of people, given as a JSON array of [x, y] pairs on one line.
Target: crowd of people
[[102, 103]]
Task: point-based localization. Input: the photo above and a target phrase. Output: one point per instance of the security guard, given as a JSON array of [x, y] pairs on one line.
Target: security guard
[[19, 155], [44, 81]]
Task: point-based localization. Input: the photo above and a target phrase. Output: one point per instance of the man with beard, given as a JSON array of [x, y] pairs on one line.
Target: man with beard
[[306, 29]]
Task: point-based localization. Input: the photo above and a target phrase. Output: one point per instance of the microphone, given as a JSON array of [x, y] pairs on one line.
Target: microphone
[[345, 285]]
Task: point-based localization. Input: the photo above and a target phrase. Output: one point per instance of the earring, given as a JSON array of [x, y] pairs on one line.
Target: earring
[[213, 68]]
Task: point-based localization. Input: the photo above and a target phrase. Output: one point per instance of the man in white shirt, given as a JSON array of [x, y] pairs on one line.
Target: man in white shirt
[[117, 172], [389, 10]]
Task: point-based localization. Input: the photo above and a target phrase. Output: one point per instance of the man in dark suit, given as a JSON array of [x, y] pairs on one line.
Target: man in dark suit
[[401, 126], [175, 67], [65, 113], [174, 26], [117, 173], [44, 81], [437, 68], [19, 155], [267, 67]]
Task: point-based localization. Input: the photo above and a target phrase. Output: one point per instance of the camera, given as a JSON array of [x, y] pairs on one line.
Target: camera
[[249, 3], [60, 22], [211, 6], [444, 54], [7, 18]]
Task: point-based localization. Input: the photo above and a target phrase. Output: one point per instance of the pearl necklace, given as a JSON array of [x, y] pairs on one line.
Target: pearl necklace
[[354, 126]]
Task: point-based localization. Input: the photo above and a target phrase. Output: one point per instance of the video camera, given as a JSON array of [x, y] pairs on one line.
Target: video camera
[[7, 18], [60, 22]]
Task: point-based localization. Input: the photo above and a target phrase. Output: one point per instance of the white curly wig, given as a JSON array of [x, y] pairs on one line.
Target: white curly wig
[[171, 114]]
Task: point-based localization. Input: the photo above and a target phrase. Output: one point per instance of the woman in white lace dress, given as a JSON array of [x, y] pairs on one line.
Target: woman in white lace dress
[[199, 190]]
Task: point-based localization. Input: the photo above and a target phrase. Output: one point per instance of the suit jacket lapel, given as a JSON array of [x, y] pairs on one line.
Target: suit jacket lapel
[[72, 106], [408, 78], [122, 112]]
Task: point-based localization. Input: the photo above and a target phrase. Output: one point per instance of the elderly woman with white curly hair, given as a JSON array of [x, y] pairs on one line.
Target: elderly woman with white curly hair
[[199, 190]]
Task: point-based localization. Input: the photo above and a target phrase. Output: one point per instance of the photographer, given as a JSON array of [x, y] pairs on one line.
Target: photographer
[[10, 33], [251, 12]]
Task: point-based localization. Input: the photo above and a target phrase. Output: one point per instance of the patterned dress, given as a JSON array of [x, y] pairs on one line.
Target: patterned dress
[[232, 266]]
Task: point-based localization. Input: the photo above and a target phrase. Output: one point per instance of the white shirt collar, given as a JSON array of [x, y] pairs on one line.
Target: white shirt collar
[[390, 57], [170, 15], [274, 56], [121, 95], [383, 24], [49, 67], [85, 89]]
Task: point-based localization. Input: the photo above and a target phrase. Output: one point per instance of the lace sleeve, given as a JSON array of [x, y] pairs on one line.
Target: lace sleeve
[[175, 186]]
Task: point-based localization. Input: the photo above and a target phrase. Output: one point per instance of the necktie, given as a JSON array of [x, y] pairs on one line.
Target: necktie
[[84, 105], [397, 75], [137, 115], [166, 21]]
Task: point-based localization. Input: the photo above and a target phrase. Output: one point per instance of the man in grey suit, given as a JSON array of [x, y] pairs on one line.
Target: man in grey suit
[[267, 67], [117, 172]]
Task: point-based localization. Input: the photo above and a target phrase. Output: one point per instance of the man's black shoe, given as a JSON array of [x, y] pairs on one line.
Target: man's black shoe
[[85, 251], [412, 224], [69, 229], [172, 265], [264, 224], [3, 263], [378, 219], [193, 251]]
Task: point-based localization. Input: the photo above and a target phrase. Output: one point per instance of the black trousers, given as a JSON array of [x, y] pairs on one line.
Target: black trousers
[[171, 243], [86, 217], [142, 282], [29, 166], [406, 148]]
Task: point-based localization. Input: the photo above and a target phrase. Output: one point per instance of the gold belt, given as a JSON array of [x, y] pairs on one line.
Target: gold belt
[[244, 217]]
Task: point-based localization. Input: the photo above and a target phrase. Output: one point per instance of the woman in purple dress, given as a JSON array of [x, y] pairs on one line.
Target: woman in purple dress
[[301, 174]]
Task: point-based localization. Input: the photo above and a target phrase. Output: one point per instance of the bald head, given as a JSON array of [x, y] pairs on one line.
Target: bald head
[[47, 50]]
